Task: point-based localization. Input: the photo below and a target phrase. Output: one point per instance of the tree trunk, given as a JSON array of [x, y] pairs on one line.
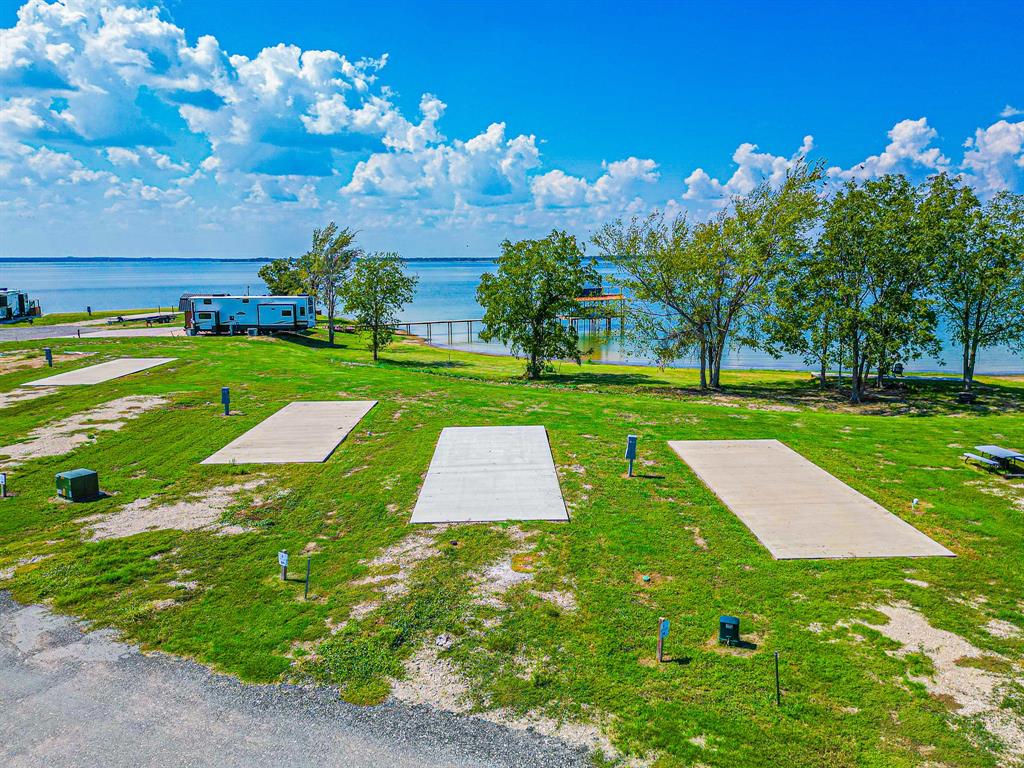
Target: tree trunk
[[703, 364], [822, 378]]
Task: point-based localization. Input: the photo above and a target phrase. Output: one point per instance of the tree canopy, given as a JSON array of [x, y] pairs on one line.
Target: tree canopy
[[374, 294], [536, 283]]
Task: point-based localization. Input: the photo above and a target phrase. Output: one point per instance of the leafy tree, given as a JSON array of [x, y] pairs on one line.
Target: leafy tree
[[713, 282], [537, 282], [283, 277], [877, 272], [375, 293], [978, 266], [659, 267], [325, 267]]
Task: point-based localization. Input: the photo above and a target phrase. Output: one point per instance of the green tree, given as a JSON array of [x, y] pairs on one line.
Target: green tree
[[375, 293], [283, 277], [537, 282], [713, 282], [978, 266], [325, 267], [659, 266], [878, 273]]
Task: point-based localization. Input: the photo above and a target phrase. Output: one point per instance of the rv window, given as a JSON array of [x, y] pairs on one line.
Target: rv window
[[286, 313], [207, 301], [206, 315], [302, 311]]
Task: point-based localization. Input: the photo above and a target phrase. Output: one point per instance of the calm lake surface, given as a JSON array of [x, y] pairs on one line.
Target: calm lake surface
[[446, 291]]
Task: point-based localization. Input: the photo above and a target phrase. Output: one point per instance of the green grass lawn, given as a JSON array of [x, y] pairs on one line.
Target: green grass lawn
[[848, 700]]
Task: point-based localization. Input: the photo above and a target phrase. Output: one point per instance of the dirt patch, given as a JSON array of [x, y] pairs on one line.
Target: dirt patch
[[434, 681], [561, 599], [515, 567], [917, 583], [1003, 629], [20, 361], [63, 436], [24, 394], [398, 561], [649, 579], [195, 512], [974, 691], [697, 538]]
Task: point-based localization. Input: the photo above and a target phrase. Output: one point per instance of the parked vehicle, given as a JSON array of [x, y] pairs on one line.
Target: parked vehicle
[[247, 314], [15, 305]]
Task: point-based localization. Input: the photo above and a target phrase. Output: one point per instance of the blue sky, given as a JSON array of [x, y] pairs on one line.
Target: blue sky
[[232, 128]]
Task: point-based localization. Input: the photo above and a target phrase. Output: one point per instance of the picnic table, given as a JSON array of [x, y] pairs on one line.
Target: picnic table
[[1004, 456]]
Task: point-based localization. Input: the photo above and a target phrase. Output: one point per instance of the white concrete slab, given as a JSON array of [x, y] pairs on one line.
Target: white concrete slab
[[301, 432], [484, 474], [97, 374], [795, 508]]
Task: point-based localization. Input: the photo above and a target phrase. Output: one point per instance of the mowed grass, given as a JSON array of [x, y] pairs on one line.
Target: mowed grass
[[848, 700]]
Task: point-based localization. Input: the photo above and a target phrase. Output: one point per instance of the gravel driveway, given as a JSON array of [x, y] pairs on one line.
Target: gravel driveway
[[70, 698]]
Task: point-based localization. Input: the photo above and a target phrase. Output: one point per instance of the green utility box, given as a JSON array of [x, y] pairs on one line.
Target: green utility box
[[728, 630], [78, 485]]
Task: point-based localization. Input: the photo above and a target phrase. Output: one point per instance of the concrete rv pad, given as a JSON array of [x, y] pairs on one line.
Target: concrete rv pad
[[97, 374], [795, 508], [301, 432], [484, 474]]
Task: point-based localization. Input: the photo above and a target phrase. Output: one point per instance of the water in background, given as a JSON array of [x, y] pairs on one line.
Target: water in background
[[446, 291]]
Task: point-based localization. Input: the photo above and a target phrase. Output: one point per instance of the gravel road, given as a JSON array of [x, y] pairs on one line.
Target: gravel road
[[74, 698]]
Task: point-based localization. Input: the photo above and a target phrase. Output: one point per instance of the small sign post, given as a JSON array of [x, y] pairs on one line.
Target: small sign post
[[662, 634], [225, 398], [3, 485], [631, 452], [282, 560], [48, 353], [305, 594]]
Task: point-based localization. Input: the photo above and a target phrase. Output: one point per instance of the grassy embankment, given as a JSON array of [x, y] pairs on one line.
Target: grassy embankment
[[62, 318], [847, 699]]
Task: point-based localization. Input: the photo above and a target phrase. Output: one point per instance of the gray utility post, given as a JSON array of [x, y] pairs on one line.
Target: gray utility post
[[3, 485], [282, 560], [225, 398], [305, 594], [48, 353], [631, 452], [662, 634]]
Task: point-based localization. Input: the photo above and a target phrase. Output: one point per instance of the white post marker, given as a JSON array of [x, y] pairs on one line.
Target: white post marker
[[662, 634], [282, 560], [3, 485]]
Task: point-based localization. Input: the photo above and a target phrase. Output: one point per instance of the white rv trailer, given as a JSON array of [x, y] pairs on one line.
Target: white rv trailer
[[211, 313], [15, 305]]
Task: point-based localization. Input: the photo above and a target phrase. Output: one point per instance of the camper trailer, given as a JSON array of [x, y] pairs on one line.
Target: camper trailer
[[16, 305], [211, 313]]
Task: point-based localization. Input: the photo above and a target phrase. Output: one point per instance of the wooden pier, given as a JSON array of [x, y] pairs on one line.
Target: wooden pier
[[594, 311]]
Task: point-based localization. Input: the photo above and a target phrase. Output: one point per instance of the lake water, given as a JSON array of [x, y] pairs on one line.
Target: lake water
[[446, 290]]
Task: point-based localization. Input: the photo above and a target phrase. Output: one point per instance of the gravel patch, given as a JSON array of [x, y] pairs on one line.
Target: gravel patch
[[24, 394], [1003, 629], [398, 561], [86, 699], [198, 511], [63, 436], [976, 692]]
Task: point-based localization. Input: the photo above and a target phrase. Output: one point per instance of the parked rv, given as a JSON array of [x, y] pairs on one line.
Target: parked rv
[[217, 314], [16, 305]]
